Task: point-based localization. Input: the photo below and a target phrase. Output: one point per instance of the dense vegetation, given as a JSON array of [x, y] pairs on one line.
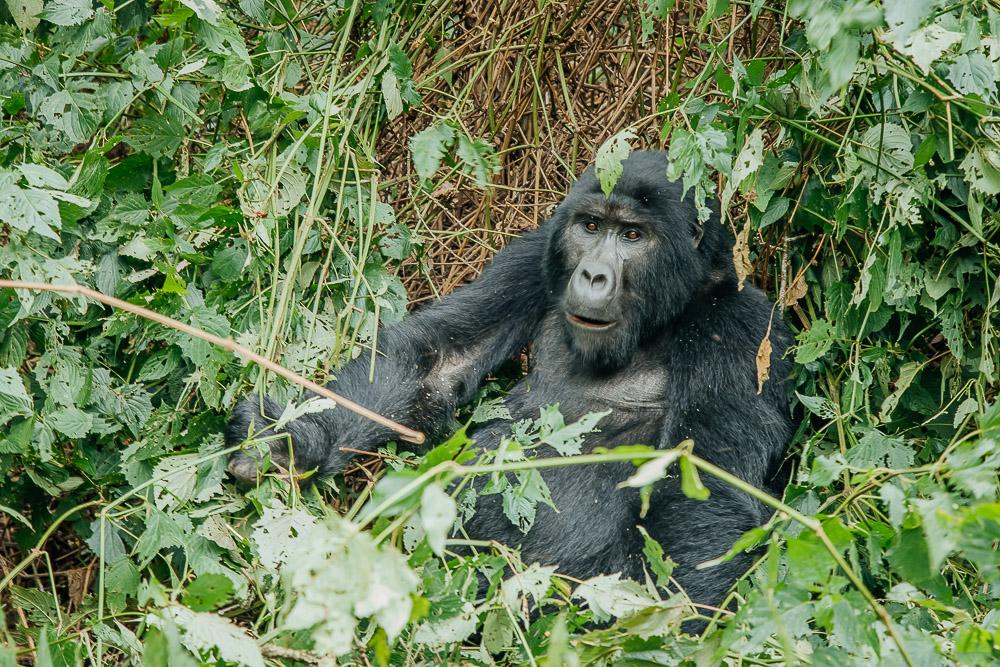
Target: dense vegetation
[[237, 168]]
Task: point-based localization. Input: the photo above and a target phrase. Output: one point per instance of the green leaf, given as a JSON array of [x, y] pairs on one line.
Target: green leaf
[[927, 45], [982, 172], [814, 342], [68, 12], [875, 449], [531, 583], [159, 135], [566, 440], [162, 532], [661, 565], [30, 210], [228, 263], [14, 400], [201, 632], [611, 596], [208, 592], [25, 13], [71, 422], [886, 147], [972, 74], [905, 16], [428, 148], [819, 406], [907, 373], [610, 155], [478, 158], [437, 515], [747, 163], [498, 631], [206, 10]]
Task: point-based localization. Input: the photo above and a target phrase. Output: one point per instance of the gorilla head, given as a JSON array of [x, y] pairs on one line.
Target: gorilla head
[[624, 266]]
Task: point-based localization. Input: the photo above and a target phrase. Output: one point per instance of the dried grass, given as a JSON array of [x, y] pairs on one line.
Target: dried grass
[[547, 85]]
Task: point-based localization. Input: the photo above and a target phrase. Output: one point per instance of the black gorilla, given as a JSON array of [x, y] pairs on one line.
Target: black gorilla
[[629, 305]]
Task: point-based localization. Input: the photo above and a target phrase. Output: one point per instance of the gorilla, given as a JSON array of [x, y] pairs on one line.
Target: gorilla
[[628, 304]]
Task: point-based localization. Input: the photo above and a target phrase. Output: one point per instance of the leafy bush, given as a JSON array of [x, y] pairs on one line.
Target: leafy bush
[[219, 166]]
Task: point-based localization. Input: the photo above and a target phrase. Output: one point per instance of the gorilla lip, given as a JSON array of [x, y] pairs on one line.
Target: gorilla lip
[[587, 323]]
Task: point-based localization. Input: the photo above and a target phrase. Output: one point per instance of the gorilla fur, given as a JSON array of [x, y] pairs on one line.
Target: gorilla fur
[[676, 361]]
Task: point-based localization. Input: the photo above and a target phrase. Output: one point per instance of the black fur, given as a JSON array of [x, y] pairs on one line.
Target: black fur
[[679, 364]]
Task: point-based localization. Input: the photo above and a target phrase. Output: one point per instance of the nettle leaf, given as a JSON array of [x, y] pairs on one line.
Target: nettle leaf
[[204, 634], [341, 575], [819, 406], [30, 210], [428, 148], [68, 12], [206, 10], [814, 342], [876, 449], [390, 93], [158, 135], [886, 148], [437, 515], [746, 164], [972, 74], [927, 45], [479, 159], [403, 69], [25, 13], [566, 440], [982, 170], [610, 595], [441, 633], [518, 590], [277, 532], [692, 152], [610, 155], [14, 400], [208, 592], [907, 373], [520, 500], [163, 531], [40, 176], [904, 16], [661, 564], [938, 522], [71, 422], [179, 480], [73, 112]]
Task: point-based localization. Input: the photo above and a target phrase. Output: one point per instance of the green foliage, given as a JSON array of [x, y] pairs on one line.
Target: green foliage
[[216, 163]]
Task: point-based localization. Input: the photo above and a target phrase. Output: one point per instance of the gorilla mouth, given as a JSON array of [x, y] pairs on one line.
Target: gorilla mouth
[[588, 323]]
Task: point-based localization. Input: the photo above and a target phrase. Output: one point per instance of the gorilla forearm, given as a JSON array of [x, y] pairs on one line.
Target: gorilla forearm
[[427, 365]]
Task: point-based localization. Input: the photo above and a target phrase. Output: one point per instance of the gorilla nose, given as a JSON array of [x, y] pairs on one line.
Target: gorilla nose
[[594, 282]]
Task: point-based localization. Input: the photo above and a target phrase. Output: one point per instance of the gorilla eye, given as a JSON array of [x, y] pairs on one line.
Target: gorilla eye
[[633, 234], [590, 226]]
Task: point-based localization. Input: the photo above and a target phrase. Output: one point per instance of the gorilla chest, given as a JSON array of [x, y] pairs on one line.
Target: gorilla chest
[[636, 394]]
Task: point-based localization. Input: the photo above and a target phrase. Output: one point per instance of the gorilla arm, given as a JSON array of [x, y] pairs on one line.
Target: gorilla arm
[[427, 364], [743, 436]]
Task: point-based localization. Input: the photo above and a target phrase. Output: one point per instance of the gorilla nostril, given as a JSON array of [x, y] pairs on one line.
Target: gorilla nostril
[[599, 281], [586, 275]]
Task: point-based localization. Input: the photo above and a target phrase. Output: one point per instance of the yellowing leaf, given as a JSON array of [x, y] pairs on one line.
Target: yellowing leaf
[[611, 154], [764, 360], [741, 255]]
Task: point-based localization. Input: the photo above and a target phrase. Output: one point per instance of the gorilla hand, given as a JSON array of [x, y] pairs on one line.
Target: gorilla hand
[[291, 447]]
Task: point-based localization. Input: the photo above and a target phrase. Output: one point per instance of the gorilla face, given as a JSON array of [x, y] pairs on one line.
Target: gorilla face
[[625, 266]]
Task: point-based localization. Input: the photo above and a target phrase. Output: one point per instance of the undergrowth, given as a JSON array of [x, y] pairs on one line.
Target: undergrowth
[[226, 166]]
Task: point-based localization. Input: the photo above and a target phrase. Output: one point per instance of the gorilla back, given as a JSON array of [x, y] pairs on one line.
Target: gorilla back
[[629, 305]]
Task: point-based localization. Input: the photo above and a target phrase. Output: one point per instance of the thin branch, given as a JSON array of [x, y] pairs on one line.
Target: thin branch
[[404, 432]]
